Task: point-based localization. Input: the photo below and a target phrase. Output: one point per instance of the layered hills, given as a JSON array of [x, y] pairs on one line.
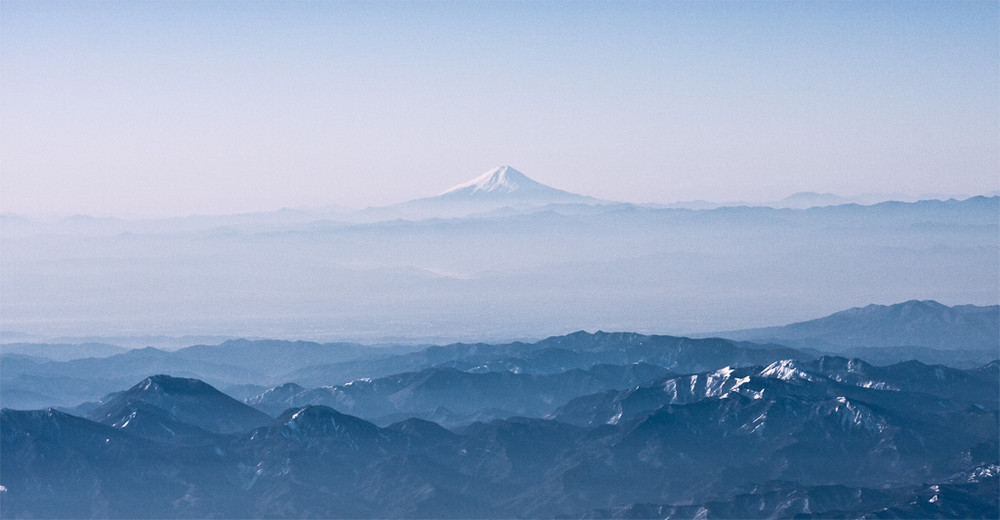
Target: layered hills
[[583, 425], [248, 368], [829, 437]]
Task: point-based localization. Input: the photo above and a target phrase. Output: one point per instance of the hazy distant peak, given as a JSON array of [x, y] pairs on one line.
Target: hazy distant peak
[[502, 179], [810, 197], [913, 323], [907, 306]]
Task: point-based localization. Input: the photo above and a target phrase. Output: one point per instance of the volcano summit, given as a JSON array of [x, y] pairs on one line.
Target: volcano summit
[[502, 187], [505, 181]]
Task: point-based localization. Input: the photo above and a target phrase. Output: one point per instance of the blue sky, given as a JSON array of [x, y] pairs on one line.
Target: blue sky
[[173, 108]]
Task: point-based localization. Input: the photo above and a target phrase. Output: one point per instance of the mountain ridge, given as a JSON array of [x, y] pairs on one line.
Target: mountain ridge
[[31, 382], [913, 323], [781, 430]]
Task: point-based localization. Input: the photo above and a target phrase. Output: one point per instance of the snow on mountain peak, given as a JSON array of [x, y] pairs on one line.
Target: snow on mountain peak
[[786, 370], [502, 179]]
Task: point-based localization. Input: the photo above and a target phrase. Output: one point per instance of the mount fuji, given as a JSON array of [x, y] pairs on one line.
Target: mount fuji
[[502, 188], [504, 182]]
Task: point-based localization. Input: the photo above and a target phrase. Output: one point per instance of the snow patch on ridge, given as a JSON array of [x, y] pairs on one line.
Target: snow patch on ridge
[[786, 370]]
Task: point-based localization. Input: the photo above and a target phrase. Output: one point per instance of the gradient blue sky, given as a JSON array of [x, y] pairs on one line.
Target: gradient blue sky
[[173, 108]]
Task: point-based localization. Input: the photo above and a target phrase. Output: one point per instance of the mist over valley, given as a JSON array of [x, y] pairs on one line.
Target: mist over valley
[[490, 265]]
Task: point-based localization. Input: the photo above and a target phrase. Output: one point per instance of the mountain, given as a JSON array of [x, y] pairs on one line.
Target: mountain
[[782, 438], [806, 199], [61, 466], [506, 182], [188, 400], [62, 351], [502, 188], [909, 324], [829, 377], [68, 383], [251, 367], [803, 434], [452, 397], [557, 354], [30, 382], [274, 356], [145, 420]]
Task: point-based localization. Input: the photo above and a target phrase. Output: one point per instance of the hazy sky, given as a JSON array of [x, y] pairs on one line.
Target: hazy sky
[[149, 108]]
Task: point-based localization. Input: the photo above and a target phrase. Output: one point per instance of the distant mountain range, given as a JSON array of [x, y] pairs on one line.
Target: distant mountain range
[[62, 351], [809, 199], [33, 382], [500, 191], [452, 397], [961, 336]]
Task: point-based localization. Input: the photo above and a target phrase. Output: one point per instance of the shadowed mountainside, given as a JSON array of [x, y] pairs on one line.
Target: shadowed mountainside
[[822, 438]]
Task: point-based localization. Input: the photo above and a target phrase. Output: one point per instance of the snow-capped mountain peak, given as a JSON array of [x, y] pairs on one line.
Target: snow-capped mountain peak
[[502, 188], [786, 370], [502, 179]]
